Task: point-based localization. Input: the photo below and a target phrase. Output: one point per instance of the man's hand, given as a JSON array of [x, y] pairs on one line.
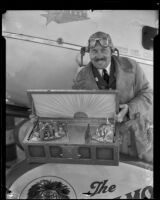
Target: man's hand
[[33, 118], [120, 116]]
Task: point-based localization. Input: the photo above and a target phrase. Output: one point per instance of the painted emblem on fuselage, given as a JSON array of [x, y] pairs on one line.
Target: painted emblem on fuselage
[[64, 16], [48, 187]]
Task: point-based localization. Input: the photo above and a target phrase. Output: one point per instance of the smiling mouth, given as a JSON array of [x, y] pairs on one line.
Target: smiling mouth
[[100, 61]]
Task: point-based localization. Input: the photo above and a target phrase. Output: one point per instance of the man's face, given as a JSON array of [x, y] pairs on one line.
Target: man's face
[[100, 56]]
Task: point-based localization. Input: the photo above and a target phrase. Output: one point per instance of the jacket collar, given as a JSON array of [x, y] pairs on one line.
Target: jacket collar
[[115, 61], [114, 71]]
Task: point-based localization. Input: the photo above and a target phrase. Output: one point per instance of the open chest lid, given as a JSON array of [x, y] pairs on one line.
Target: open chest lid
[[70, 103]]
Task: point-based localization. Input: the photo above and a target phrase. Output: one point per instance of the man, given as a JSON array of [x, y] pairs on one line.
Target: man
[[108, 71]]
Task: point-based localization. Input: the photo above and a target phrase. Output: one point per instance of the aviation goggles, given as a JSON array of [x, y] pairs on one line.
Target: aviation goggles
[[103, 42]]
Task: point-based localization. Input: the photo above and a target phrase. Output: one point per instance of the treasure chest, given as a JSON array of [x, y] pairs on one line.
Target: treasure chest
[[73, 126]]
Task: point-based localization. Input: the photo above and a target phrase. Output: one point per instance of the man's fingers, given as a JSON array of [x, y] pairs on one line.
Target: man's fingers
[[121, 115], [122, 105], [124, 109], [31, 116], [118, 117]]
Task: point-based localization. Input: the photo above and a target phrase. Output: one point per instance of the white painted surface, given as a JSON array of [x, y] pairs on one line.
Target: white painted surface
[[126, 178]]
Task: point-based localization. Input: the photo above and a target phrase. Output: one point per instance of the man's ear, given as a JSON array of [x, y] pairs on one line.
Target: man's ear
[[84, 50], [115, 51], [86, 59], [87, 49]]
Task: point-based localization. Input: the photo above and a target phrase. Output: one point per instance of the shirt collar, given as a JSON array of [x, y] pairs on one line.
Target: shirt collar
[[108, 68]]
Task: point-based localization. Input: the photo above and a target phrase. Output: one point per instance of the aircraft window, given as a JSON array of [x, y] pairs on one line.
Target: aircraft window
[[148, 34]]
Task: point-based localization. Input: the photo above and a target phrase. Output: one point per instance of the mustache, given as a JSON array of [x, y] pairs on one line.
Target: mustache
[[100, 59]]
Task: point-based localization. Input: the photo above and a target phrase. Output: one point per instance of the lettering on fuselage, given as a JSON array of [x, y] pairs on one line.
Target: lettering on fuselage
[[102, 187]]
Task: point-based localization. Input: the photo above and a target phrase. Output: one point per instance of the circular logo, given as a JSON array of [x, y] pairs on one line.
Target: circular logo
[[48, 187]]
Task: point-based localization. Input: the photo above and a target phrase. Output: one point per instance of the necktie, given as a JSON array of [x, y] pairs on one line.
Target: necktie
[[105, 76]]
